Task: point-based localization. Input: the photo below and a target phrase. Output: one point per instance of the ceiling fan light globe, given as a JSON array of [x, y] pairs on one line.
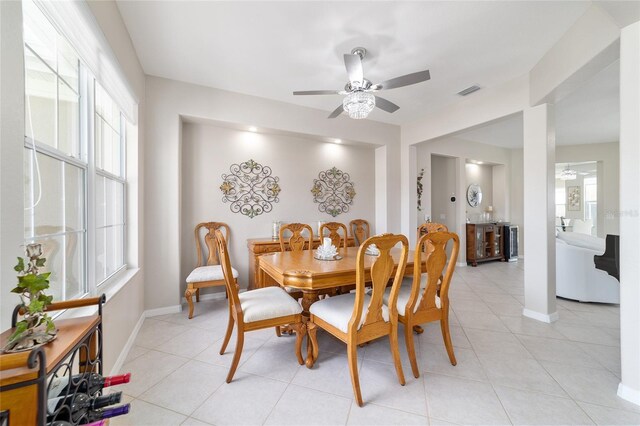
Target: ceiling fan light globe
[[359, 104]]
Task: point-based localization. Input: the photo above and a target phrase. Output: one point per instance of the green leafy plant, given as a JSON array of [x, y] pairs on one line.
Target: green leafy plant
[[419, 189], [36, 326]]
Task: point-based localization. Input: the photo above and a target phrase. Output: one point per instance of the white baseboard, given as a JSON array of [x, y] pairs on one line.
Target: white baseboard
[[520, 256], [548, 318], [127, 346], [631, 395], [461, 264], [175, 309]]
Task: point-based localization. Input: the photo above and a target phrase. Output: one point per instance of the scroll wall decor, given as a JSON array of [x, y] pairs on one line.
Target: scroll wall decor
[[334, 191], [250, 188]]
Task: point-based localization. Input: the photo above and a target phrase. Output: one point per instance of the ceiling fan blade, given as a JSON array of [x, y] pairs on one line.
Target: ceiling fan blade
[[404, 80], [386, 105], [317, 92], [336, 112], [353, 63]]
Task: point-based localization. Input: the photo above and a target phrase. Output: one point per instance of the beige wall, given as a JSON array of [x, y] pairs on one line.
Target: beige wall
[[480, 174], [169, 102], [207, 153]]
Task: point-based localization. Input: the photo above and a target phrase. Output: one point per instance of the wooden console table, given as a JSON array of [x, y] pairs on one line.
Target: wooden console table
[[484, 242], [259, 246]]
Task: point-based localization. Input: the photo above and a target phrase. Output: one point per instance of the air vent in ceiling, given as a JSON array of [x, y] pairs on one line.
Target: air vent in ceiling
[[469, 90]]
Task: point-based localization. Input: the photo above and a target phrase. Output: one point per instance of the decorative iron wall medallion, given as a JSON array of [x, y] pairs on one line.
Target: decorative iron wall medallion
[[333, 191], [250, 188]]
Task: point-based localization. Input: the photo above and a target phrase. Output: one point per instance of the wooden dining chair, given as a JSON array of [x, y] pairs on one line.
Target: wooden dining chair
[[427, 298], [360, 230], [357, 318], [256, 309], [425, 228], [209, 272], [334, 229], [297, 242]]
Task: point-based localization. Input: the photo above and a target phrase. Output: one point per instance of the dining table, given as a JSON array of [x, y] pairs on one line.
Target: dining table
[[301, 270]]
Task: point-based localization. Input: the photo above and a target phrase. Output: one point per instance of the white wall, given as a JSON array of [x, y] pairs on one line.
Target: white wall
[[609, 179], [460, 150], [167, 102], [207, 153], [482, 175]]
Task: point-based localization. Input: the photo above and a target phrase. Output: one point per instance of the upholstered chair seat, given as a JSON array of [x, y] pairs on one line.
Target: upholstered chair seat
[[338, 310], [208, 273], [267, 302]]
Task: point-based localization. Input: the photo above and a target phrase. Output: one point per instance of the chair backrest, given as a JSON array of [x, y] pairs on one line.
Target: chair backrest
[[296, 240], [229, 281], [437, 283], [360, 230], [425, 228], [334, 233], [211, 256], [428, 227], [380, 273]]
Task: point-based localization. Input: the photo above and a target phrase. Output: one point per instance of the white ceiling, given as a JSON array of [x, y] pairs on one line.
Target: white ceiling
[[591, 114], [270, 49]]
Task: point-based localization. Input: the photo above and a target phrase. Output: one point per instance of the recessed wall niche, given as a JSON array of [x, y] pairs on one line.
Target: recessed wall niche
[[207, 152]]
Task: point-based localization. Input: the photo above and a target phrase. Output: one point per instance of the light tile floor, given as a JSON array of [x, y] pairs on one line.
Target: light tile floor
[[511, 370]]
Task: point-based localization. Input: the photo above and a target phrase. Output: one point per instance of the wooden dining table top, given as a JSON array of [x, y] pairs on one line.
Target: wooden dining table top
[[299, 269]]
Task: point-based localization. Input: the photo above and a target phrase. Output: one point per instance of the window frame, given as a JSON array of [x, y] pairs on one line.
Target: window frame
[[86, 161]]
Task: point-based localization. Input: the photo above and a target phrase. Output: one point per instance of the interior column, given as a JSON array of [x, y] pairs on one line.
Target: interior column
[[629, 387], [539, 206]]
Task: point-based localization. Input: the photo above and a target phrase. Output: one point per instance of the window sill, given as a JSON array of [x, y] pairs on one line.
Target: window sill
[[109, 289]]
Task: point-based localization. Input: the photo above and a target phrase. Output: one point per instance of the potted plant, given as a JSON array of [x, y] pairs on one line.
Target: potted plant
[[36, 327]]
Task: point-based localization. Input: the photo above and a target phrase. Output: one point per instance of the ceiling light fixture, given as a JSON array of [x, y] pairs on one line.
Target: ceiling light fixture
[[253, 129], [337, 141], [568, 174], [479, 162], [359, 104]]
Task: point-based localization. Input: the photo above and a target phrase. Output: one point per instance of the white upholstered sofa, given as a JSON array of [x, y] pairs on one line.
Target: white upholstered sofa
[[576, 275]]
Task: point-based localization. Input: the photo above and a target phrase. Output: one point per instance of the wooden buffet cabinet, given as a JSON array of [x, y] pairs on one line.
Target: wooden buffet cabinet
[[259, 246], [24, 376], [485, 242]]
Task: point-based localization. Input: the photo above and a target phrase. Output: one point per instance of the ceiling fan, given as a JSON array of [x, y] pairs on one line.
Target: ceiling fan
[[360, 99]]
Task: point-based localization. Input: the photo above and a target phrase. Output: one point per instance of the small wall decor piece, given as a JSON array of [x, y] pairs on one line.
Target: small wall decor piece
[[420, 188], [573, 199], [334, 191], [250, 188]]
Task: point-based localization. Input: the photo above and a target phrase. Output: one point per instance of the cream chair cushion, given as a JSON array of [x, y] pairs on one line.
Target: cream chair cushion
[[268, 302], [208, 273], [337, 310], [405, 292]]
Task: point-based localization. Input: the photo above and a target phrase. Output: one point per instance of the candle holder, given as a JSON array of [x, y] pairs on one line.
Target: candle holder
[[275, 229]]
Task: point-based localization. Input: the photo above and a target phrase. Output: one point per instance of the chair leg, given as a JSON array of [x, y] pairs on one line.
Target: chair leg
[[278, 331], [395, 351], [301, 330], [236, 355], [352, 350], [188, 294], [411, 350], [227, 336], [446, 335], [197, 295]]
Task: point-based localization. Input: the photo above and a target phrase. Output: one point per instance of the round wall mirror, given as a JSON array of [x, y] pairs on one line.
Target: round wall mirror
[[474, 195]]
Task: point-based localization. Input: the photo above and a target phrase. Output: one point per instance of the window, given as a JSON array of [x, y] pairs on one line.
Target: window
[[109, 186], [560, 200], [66, 166]]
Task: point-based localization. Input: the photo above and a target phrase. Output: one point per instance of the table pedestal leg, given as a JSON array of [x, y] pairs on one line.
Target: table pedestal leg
[[418, 329], [308, 298]]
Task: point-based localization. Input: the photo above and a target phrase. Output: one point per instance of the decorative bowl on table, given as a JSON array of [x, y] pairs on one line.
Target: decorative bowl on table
[[372, 250], [327, 253]]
